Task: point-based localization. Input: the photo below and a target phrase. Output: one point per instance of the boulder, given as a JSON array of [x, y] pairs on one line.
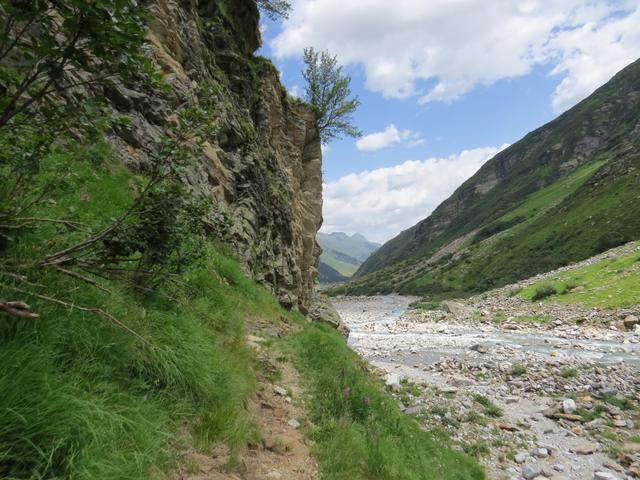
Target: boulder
[[392, 382], [322, 310], [457, 309], [569, 405], [531, 471], [630, 321]]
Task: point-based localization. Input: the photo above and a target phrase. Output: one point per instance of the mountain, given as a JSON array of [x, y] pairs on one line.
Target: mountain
[[328, 275], [343, 253], [565, 192]]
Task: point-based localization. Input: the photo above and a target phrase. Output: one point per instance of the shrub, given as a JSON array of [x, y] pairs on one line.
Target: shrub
[[542, 292], [569, 373], [518, 370]]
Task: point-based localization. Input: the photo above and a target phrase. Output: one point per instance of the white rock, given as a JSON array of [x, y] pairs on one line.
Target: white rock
[[280, 391], [392, 382], [569, 406], [604, 476], [293, 423]]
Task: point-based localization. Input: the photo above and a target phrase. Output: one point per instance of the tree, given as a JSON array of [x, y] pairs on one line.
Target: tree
[[329, 92], [275, 9]]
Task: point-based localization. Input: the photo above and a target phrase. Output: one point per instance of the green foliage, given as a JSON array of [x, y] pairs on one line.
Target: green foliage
[[328, 91], [275, 9], [360, 431], [569, 373], [518, 370], [490, 408], [543, 291]]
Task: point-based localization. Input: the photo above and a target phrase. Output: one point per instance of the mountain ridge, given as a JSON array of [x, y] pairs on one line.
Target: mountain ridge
[[342, 255], [605, 127]]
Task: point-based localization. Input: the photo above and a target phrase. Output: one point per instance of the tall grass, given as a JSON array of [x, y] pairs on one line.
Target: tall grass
[[361, 433], [82, 397]]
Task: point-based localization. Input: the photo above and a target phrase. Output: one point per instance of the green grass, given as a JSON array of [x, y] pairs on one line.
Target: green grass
[[344, 268], [569, 373], [82, 398], [544, 199], [610, 283], [360, 432], [490, 408]]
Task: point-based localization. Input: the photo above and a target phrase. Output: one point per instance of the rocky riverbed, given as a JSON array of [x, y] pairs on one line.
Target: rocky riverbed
[[534, 390]]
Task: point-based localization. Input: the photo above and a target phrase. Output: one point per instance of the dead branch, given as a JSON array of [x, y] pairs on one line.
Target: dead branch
[[84, 278], [18, 309], [71, 306]]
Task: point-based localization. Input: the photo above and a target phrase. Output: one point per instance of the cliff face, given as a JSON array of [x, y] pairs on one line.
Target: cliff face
[[262, 167]]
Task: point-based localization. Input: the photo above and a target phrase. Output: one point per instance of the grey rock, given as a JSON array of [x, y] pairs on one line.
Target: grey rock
[[531, 471], [521, 457], [456, 308]]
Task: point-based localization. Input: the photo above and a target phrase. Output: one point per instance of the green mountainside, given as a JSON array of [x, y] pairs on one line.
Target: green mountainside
[[563, 193], [343, 254]]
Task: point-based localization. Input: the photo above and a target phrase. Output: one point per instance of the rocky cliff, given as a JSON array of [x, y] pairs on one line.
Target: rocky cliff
[[262, 166]]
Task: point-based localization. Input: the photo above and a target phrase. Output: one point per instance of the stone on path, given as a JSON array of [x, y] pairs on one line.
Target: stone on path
[[293, 423]]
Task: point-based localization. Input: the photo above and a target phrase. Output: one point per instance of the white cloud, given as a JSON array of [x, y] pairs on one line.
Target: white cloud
[[388, 137], [381, 203], [296, 91], [455, 45]]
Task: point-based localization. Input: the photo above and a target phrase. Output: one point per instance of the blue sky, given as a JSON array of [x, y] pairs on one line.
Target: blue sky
[[443, 88]]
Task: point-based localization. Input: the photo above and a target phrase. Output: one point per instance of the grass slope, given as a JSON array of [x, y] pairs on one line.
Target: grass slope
[[359, 431], [343, 268], [563, 193], [83, 398], [610, 283]]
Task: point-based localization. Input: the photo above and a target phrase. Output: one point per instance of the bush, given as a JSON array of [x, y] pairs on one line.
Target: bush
[[543, 291]]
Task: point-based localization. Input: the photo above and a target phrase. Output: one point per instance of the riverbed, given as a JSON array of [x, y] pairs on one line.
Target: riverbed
[[526, 370]]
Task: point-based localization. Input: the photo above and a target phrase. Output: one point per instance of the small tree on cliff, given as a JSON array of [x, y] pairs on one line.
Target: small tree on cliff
[[328, 90], [275, 8]]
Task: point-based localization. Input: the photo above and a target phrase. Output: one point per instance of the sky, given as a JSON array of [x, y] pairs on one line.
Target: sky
[[444, 85]]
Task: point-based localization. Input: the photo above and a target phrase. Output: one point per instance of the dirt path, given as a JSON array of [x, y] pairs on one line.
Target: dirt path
[[278, 411]]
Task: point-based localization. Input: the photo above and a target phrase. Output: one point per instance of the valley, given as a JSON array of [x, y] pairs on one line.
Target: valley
[[533, 389]]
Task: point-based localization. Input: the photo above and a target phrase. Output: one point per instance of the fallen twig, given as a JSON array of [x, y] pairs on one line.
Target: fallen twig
[[18, 309], [96, 311]]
